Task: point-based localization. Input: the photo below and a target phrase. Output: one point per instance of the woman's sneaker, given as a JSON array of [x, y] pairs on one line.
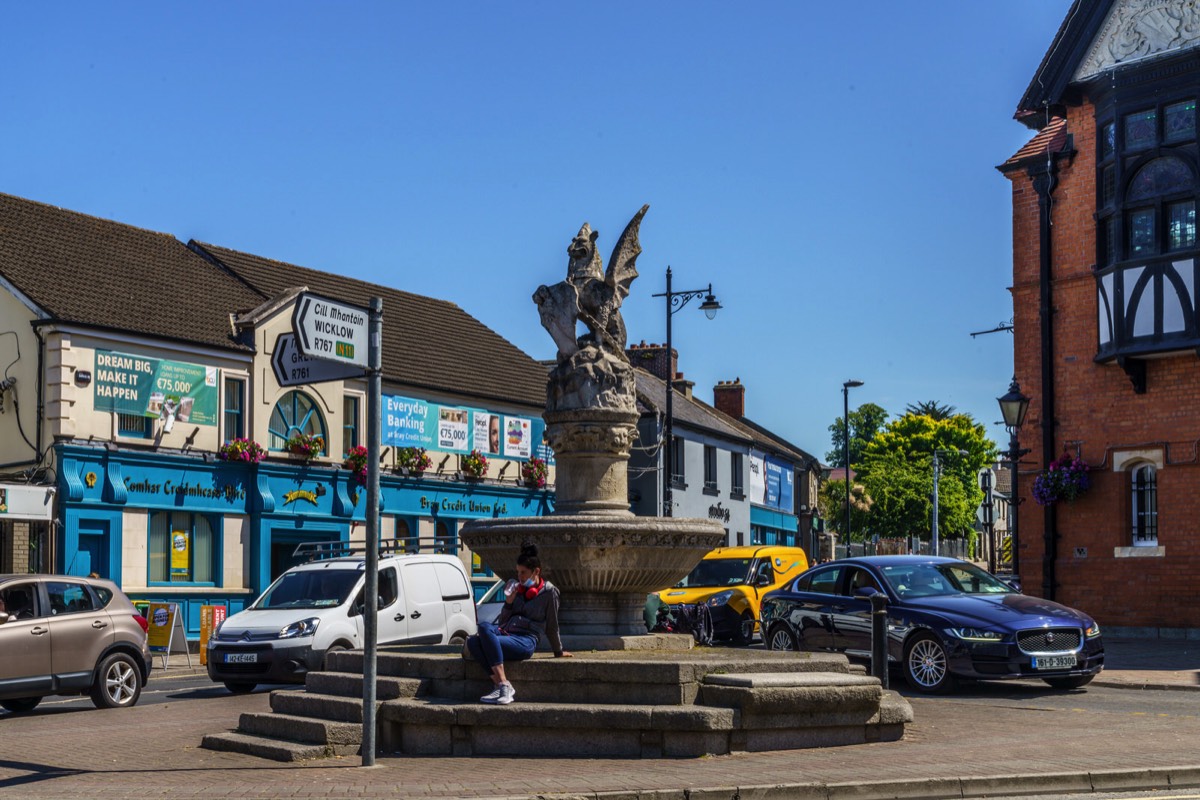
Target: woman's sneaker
[[502, 695]]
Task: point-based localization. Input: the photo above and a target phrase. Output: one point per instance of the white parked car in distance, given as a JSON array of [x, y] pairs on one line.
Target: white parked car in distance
[[317, 608]]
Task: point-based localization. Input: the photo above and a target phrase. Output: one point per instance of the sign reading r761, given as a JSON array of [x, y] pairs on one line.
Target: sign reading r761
[[330, 329]]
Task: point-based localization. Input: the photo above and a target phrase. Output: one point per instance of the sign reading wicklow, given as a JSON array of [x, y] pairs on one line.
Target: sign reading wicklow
[[331, 330], [293, 368]]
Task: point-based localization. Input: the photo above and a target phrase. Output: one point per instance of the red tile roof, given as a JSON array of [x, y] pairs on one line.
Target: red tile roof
[[1050, 139]]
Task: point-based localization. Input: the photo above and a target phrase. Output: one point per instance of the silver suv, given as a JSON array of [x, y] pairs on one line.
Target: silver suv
[[66, 635]]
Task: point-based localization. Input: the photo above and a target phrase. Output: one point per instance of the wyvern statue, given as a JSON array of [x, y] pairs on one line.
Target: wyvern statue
[[593, 370]]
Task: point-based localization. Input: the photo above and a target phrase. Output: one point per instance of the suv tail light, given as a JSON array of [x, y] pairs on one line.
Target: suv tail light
[[140, 620]]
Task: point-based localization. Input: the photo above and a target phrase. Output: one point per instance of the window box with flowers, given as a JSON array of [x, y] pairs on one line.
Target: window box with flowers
[[356, 462], [246, 451], [413, 460], [534, 473], [474, 465], [305, 446], [1065, 479]]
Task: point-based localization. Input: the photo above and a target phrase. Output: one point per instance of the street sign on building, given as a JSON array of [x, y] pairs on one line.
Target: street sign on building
[[330, 329], [293, 368]]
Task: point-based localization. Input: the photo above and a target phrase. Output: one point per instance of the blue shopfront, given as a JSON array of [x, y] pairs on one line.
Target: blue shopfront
[[196, 531], [773, 527]]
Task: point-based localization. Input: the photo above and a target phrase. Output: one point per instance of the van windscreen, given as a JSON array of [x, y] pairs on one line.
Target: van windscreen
[[309, 589], [717, 572]]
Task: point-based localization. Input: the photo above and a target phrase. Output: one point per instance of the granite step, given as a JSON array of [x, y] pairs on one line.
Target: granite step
[[317, 706], [274, 749], [305, 730], [348, 684]]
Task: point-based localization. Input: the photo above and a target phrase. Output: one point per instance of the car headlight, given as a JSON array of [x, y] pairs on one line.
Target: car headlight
[[975, 634], [1093, 631], [719, 599], [305, 627]]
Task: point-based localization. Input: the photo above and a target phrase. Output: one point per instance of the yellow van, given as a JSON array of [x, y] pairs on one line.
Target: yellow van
[[731, 582]]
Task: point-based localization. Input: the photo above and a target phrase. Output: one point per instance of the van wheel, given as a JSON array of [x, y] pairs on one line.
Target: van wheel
[[334, 648], [745, 631], [118, 682], [458, 639], [240, 688], [20, 705]]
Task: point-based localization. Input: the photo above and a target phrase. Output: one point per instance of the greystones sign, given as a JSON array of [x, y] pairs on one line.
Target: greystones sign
[[293, 368]]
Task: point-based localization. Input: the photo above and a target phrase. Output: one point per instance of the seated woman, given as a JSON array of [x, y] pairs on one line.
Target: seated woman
[[530, 610]]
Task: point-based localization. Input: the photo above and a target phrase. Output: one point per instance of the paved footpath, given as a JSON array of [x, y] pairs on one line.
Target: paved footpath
[[955, 748]]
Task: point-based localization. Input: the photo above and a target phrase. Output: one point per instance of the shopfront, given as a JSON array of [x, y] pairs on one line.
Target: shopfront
[[197, 531], [26, 517]]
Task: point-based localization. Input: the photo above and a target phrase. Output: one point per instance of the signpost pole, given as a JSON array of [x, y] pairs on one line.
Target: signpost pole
[[371, 589]]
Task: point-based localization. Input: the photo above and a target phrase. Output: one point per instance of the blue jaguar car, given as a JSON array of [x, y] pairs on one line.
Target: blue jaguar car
[[947, 619]]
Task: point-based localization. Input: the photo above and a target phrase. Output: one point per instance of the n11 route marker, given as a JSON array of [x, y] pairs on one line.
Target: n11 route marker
[[293, 368], [330, 329]]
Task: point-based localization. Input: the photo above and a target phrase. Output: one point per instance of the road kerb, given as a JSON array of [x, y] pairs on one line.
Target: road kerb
[[1147, 685], [1046, 783]]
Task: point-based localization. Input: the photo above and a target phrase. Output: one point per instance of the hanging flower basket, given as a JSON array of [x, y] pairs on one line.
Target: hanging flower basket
[[356, 462], [474, 465], [414, 460], [533, 473], [243, 450], [1065, 479], [305, 446]]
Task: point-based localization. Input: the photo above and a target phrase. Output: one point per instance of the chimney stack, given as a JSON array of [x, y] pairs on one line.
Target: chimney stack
[[683, 386], [729, 397], [653, 359]]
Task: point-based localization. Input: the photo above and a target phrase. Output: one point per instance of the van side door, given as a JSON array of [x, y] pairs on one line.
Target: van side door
[[427, 612], [393, 611]]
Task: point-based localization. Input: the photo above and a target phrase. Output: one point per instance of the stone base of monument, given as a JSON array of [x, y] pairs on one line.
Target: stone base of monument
[[634, 704]]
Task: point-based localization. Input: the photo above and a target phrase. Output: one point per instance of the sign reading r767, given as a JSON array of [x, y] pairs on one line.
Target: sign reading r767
[[330, 329]]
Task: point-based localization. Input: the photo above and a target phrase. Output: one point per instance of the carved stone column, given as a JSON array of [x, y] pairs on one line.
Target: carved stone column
[[591, 451]]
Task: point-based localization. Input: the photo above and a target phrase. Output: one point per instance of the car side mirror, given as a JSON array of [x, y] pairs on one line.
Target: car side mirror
[[1012, 583], [866, 591]]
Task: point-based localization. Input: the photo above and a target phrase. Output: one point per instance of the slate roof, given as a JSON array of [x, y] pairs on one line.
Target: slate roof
[[427, 343], [652, 394], [104, 274]]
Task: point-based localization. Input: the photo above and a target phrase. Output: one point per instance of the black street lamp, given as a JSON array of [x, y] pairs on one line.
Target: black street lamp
[[846, 387], [676, 301], [1013, 407]]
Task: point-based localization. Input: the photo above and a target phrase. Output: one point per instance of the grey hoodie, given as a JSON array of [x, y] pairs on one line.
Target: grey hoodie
[[534, 617]]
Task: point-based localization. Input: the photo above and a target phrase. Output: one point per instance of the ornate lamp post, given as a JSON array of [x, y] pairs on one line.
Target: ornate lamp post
[[937, 473], [676, 301], [1013, 407], [846, 387]]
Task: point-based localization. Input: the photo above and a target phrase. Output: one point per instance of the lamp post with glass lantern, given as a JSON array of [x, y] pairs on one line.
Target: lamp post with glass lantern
[[676, 301], [846, 387], [1013, 406]]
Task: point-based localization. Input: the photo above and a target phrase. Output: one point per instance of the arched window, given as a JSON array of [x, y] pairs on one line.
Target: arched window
[[1144, 488], [295, 413]]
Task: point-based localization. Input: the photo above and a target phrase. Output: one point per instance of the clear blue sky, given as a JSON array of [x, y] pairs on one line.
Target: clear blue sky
[[828, 167]]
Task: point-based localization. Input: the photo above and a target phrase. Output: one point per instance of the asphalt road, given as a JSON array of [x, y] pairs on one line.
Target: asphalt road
[[183, 690], [1037, 696]]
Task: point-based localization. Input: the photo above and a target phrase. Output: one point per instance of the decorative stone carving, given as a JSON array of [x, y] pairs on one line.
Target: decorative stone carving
[[590, 437], [1140, 28]]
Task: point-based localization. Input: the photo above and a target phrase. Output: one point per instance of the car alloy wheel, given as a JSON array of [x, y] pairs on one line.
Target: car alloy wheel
[[926, 666], [118, 682], [781, 638]]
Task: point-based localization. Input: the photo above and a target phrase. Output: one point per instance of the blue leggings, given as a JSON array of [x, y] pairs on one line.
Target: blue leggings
[[492, 648]]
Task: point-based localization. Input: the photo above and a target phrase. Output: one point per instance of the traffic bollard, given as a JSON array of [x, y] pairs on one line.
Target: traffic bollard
[[879, 624]]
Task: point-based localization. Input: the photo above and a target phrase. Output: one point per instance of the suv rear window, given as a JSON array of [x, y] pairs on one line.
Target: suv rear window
[[105, 595]]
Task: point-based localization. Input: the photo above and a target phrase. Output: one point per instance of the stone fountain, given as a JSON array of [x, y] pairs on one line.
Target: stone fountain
[[603, 559]]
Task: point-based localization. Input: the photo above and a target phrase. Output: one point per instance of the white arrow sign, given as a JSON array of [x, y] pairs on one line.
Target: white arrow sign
[[293, 368], [331, 330]]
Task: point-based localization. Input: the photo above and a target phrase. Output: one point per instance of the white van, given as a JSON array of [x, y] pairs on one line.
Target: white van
[[317, 608]]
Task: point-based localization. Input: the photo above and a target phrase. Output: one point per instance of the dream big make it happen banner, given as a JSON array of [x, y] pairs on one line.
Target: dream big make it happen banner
[[128, 384]]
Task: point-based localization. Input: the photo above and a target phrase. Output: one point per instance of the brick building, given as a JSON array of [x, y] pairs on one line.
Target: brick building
[[1106, 266]]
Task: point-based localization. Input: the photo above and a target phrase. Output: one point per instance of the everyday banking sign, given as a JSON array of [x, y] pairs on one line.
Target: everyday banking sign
[[128, 384], [408, 422]]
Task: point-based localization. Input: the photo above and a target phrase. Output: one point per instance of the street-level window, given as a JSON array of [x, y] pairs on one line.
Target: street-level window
[[294, 414], [710, 467], [134, 426], [406, 540], [234, 414], [182, 548], [1145, 505]]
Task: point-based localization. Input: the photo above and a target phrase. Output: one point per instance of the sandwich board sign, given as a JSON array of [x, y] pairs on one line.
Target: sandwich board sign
[[330, 329], [293, 368], [165, 620]]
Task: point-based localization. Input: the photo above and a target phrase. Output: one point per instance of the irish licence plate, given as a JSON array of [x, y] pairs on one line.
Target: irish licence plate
[[241, 658], [1054, 662]]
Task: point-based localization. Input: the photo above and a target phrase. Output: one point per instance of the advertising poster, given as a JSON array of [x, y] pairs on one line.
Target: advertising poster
[[128, 384], [211, 618], [162, 620], [452, 429], [487, 433], [181, 556], [408, 422], [758, 479], [516, 437], [780, 478]]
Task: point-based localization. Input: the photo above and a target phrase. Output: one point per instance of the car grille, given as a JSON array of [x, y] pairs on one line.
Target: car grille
[[262, 636], [1049, 640]]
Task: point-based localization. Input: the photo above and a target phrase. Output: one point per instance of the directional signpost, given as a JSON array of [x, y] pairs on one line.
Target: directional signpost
[[293, 368], [346, 336]]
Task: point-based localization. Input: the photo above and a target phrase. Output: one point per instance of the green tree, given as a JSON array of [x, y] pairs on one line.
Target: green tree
[[930, 408], [831, 503], [865, 422], [897, 471]]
